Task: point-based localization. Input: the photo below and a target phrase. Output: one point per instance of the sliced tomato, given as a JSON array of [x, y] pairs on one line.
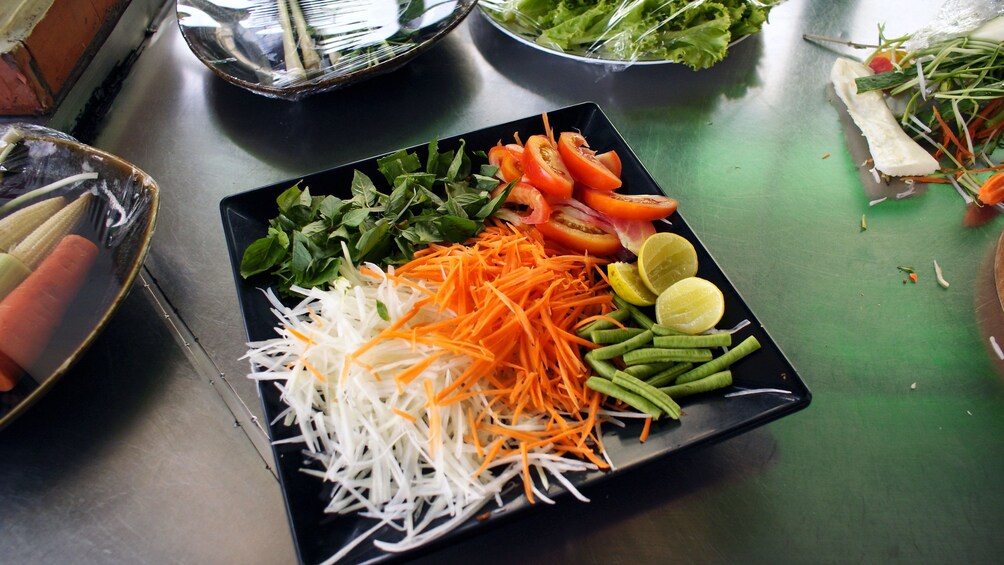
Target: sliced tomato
[[507, 159], [544, 168], [496, 153], [582, 163], [612, 161], [629, 206], [579, 232], [528, 202]]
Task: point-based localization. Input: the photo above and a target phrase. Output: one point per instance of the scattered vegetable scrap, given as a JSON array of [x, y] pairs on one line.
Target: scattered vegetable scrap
[[949, 99], [939, 275], [997, 348]]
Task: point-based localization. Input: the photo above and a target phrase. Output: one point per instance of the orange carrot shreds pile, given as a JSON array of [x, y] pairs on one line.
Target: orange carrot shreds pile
[[517, 303]]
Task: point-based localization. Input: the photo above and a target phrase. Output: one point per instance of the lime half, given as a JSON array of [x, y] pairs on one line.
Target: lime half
[[665, 258], [627, 283], [692, 305]]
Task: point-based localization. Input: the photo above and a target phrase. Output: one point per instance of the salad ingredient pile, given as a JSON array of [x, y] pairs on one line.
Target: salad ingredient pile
[[422, 389]]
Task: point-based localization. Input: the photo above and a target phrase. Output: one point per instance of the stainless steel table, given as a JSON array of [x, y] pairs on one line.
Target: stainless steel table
[[152, 450]]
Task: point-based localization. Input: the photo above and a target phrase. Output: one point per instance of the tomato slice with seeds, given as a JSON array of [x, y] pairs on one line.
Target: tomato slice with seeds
[[574, 230], [582, 163], [629, 206], [544, 168]]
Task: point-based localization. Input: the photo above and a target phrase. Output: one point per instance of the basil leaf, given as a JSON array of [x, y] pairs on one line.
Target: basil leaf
[[355, 217], [488, 182], [400, 199], [495, 203], [374, 238], [332, 207], [397, 164], [288, 198], [302, 257], [381, 309], [432, 162], [457, 230], [263, 254], [363, 190], [456, 166]]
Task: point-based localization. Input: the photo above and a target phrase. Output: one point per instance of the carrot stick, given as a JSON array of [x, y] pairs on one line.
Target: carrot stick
[[33, 310], [645, 429]]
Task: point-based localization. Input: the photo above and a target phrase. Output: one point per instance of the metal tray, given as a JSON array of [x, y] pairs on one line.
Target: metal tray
[[707, 418]]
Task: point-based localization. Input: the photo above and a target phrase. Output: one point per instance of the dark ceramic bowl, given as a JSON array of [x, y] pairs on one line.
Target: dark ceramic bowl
[[295, 48]]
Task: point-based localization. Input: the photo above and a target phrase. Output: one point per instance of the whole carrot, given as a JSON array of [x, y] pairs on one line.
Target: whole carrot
[[33, 310]]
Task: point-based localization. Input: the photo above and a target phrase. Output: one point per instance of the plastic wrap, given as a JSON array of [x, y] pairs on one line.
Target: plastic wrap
[[621, 33], [955, 18], [98, 208], [295, 48]]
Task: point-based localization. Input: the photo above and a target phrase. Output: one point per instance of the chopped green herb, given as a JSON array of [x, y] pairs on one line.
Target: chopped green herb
[[444, 202], [382, 311]]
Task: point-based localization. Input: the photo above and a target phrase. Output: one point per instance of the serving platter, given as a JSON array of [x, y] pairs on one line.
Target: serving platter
[[118, 218], [707, 418], [290, 49]]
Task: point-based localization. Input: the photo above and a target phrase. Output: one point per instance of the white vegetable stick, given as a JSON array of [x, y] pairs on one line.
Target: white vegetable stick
[[939, 275], [294, 67], [893, 151], [311, 61]]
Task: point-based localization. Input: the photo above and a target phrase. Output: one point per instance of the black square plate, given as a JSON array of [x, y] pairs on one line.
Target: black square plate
[[710, 417]]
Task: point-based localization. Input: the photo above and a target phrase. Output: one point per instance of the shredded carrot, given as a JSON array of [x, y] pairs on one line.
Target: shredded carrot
[[645, 429], [590, 319], [516, 305], [913, 277], [547, 130], [527, 480], [299, 335], [313, 371], [433, 416], [962, 152], [403, 414]]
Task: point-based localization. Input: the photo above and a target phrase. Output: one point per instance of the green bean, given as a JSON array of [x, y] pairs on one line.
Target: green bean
[[648, 392], [663, 330], [713, 381], [622, 348], [669, 375], [636, 314], [649, 369], [603, 324], [747, 346], [631, 399], [660, 355], [603, 368], [720, 339], [616, 335]]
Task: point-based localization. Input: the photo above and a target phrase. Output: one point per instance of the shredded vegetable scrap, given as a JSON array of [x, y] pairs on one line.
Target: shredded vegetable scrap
[[997, 348], [940, 276]]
